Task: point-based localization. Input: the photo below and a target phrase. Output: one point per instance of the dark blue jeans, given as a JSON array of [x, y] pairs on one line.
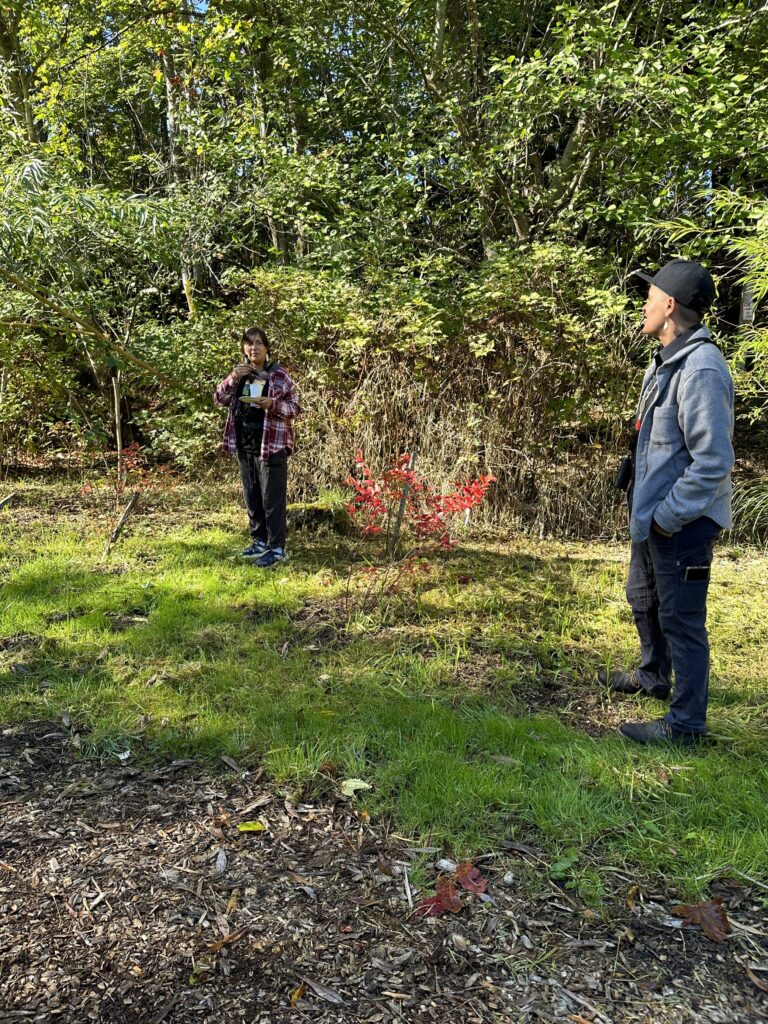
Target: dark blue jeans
[[667, 592]]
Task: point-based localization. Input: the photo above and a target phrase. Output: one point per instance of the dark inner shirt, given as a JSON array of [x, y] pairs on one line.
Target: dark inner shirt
[[249, 421]]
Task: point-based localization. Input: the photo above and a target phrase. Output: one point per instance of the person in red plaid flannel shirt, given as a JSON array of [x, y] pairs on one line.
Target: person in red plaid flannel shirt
[[259, 431]]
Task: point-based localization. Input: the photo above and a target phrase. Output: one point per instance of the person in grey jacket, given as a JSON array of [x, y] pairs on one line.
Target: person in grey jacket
[[680, 500]]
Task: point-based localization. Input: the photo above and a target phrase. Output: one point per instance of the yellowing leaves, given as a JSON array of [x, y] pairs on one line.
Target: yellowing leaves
[[252, 826]]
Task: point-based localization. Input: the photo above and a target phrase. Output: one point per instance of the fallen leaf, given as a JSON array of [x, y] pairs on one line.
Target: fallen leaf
[[762, 985], [470, 878], [260, 801], [232, 937], [632, 892], [330, 995], [297, 994], [351, 786], [299, 879], [708, 914], [445, 900], [221, 862], [251, 826], [230, 762], [510, 844]]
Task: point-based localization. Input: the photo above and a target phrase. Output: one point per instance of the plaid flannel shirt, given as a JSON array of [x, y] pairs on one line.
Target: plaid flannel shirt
[[278, 421]]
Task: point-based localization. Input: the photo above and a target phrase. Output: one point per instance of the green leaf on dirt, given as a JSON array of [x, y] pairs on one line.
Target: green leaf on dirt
[[252, 826], [350, 787], [201, 972]]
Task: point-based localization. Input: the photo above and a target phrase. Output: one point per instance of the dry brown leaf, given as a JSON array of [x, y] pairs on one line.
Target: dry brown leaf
[[299, 879], [762, 985], [633, 891], [232, 937], [233, 901], [708, 915]]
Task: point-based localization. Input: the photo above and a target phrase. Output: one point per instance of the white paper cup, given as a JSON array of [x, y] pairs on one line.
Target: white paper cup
[[257, 387]]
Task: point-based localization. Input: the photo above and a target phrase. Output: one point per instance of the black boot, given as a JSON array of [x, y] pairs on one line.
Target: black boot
[[660, 731], [626, 682]]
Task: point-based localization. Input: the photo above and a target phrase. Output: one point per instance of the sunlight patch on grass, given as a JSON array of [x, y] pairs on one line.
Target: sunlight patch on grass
[[176, 646]]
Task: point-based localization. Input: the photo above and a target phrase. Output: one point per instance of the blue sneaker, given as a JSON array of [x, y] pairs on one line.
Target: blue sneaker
[[256, 550], [270, 558]]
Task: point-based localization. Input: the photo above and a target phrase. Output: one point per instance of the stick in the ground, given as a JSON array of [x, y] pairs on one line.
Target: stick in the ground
[[123, 520]]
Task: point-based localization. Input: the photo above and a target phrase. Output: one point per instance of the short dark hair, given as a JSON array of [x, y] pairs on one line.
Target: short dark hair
[[251, 334], [686, 316]]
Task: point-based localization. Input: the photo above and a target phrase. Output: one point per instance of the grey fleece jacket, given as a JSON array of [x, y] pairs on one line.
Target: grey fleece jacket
[[684, 453]]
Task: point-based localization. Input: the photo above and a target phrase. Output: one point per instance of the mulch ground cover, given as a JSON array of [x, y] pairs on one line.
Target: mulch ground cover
[[129, 894]]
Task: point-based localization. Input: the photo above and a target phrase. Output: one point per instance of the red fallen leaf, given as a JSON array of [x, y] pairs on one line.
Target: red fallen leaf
[[709, 915], [445, 900], [470, 878]]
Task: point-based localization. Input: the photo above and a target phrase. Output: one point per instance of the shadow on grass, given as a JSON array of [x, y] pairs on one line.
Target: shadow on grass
[[166, 658]]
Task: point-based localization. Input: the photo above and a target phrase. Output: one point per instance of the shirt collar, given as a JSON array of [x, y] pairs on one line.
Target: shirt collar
[[665, 352]]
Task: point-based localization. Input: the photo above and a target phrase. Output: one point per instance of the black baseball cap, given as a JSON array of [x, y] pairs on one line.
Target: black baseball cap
[[689, 283]]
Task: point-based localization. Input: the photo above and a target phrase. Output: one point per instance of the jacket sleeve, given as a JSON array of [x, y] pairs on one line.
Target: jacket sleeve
[[285, 400], [226, 390], [706, 419]]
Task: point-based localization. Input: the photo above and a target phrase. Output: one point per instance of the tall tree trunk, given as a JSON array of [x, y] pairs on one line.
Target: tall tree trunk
[[176, 165], [276, 230], [438, 38]]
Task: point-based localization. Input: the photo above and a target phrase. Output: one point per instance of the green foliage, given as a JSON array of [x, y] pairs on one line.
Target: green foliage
[[367, 180]]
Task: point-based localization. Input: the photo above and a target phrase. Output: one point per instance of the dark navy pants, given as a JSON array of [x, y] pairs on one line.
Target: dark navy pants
[[265, 484], [667, 592]]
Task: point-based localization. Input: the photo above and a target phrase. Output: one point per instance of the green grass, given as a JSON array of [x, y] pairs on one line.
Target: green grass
[[173, 646]]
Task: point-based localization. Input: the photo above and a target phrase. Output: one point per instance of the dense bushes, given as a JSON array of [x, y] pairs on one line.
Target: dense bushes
[[432, 209]]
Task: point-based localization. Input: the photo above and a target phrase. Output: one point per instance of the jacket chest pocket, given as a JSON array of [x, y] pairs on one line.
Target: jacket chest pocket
[[665, 430]]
